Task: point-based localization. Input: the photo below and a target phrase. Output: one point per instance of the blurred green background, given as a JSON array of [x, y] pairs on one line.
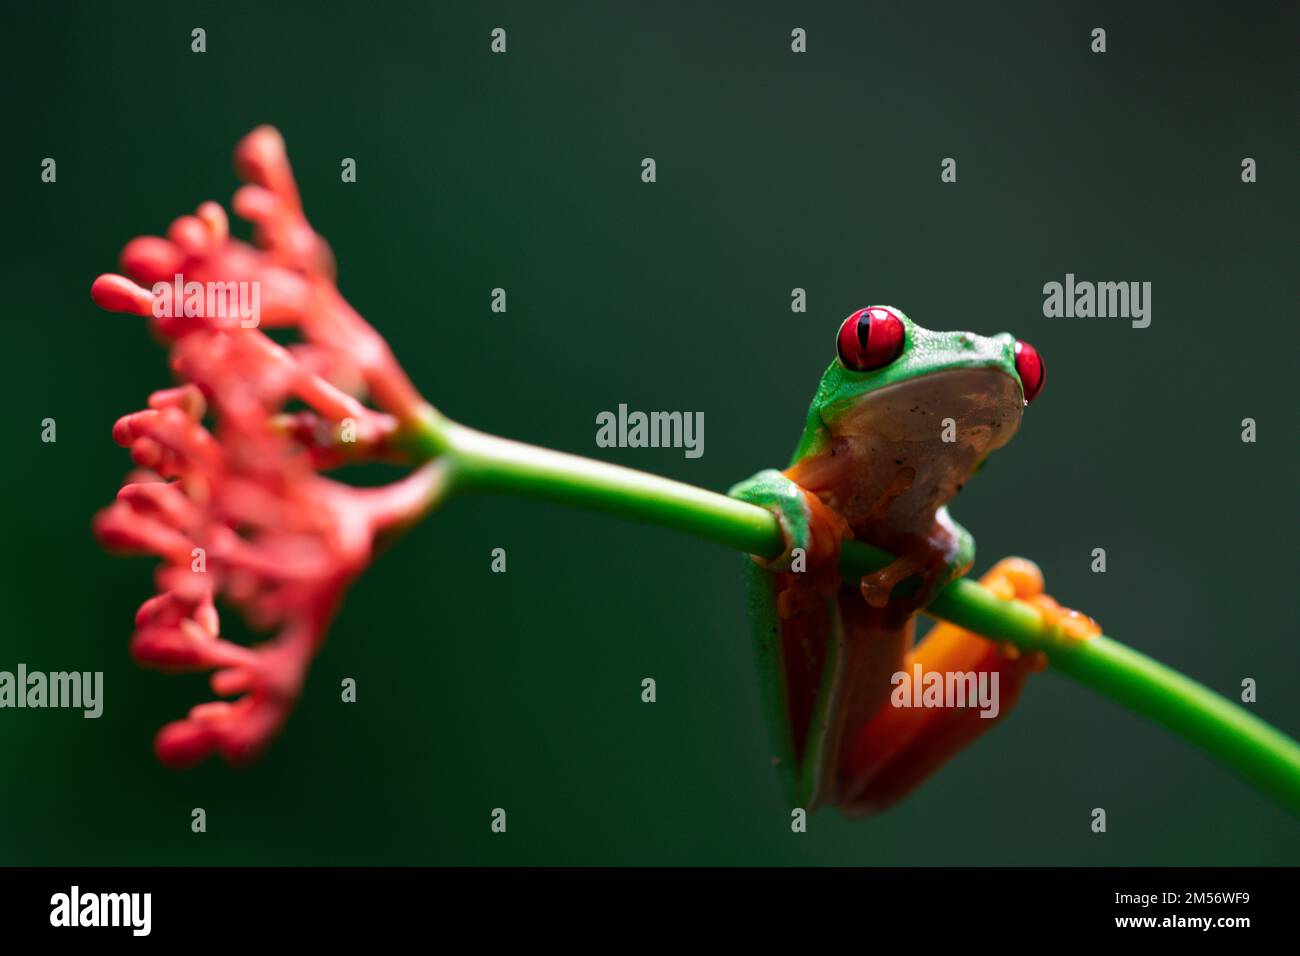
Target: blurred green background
[[775, 170]]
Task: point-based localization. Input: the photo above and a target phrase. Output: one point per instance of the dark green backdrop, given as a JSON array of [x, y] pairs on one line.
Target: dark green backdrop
[[775, 171]]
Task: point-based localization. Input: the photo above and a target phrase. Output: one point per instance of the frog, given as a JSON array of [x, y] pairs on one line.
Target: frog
[[901, 419]]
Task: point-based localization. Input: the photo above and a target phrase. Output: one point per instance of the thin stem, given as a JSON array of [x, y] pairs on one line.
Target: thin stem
[[488, 463], [480, 462]]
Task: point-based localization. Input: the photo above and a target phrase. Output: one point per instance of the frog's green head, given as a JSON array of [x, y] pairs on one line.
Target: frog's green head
[[879, 346], [895, 385]]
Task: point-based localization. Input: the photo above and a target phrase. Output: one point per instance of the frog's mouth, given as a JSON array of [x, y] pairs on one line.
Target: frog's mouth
[[901, 452]]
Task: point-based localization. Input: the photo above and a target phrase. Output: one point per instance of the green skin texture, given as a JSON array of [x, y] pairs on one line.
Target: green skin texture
[[925, 352]]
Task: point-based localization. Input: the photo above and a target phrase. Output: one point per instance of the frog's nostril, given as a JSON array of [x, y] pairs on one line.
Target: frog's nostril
[[1030, 368]]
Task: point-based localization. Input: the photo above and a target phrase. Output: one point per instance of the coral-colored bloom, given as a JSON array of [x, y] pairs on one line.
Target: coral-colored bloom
[[238, 509]]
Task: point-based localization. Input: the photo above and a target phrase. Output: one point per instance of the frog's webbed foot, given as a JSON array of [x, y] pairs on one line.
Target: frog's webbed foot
[[1021, 579], [932, 561], [809, 565], [937, 558], [899, 747]]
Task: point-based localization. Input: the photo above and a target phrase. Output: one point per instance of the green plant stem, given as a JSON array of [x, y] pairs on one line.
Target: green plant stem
[[480, 462]]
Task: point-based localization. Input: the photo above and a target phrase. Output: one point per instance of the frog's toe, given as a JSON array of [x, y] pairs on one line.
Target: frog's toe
[[1017, 578], [879, 585], [1071, 624], [1021, 579], [877, 588]]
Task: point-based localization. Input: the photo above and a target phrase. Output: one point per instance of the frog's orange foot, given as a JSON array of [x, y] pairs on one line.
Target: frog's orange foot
[[827, 528], [1069, 623], [877, 588], [1020, 579], [807, 583]]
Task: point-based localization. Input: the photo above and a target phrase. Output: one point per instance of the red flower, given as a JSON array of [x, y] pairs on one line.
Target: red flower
[[238, 509]]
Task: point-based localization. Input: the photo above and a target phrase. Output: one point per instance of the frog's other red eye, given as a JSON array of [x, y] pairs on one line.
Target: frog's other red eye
[[1030, 368], [870, 338]]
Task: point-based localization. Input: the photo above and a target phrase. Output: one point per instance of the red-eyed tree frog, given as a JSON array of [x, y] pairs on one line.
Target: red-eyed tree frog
[[900, 421]]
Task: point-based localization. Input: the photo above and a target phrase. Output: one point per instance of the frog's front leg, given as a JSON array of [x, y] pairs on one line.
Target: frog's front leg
[[944, 555], [901, 746], [809, 565]]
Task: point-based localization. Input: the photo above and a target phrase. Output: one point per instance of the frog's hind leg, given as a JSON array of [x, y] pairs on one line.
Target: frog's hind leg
[[900, 746]]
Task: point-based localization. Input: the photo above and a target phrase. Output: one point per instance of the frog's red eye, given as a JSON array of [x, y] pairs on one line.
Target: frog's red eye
[[1030, 368], [870, 338]]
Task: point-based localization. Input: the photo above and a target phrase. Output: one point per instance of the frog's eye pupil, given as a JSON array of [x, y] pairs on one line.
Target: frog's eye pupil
[[870, 338], [1030, 368]]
